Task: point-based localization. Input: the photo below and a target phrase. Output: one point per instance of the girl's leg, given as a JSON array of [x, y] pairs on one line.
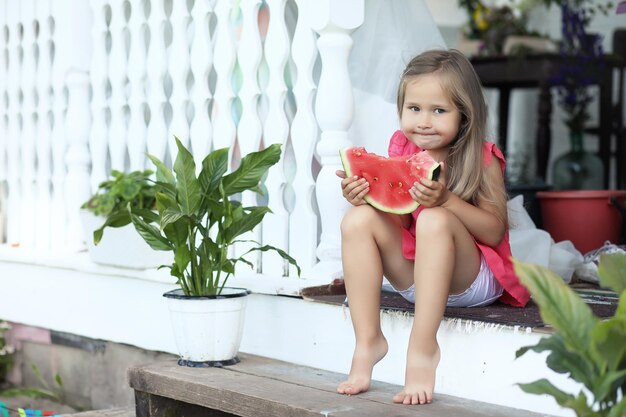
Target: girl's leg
[[371, 240], [446, 261]]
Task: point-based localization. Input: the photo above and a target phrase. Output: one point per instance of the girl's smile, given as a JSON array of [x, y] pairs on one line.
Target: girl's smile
[[429, 118]]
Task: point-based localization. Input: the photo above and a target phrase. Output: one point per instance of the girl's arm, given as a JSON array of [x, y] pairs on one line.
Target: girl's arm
[[486, 222]]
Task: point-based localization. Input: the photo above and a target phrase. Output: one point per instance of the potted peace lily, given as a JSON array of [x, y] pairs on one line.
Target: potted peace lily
[[198, 221]]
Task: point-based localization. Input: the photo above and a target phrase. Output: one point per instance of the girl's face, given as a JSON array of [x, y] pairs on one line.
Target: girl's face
[[429, 119]]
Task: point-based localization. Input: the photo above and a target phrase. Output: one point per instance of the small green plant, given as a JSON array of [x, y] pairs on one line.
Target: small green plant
[[114, 197], [590, 350], [199, 220], [55, 393]]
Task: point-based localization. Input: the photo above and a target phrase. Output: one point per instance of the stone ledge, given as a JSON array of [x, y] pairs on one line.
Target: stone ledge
[[259, 387]]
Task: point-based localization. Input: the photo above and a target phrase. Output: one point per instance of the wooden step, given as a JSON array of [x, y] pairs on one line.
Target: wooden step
[[262, 387]]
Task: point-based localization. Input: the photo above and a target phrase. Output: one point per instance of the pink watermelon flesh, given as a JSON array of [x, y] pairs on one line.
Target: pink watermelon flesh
[[389, 178]]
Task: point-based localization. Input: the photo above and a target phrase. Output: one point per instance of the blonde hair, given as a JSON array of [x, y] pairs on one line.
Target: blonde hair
[[465, 171]]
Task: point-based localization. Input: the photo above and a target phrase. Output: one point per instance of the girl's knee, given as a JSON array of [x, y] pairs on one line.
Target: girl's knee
[[434, 221], [357, 219]]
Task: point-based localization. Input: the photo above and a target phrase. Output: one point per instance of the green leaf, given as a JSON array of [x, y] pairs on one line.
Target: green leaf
[[177, 232], [612, 271], [253, 166], [281, 252], [608, 385], [609, 338], [559, 305], [187, 185], [150, 234], [244, 222], [543, 386], [115, 219], [163, 173], [170, 215], [618, 410], [182, 256], [213, 168]]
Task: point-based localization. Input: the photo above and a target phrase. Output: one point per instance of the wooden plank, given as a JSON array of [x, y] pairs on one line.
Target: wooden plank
[[265, 387]]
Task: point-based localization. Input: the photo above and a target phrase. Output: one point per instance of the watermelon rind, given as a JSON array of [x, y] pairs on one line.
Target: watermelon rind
[[433, 174]]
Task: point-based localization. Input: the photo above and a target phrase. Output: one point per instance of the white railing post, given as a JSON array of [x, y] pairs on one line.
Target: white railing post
[[73, 23], [77, 126], [4, 117], [303, 219], [334, 108]]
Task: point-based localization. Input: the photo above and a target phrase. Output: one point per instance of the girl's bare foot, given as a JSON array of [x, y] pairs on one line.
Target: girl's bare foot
[[420, 378], [366, 355]]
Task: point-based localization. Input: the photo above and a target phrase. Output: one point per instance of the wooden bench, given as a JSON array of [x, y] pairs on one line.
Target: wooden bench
[[261, 387]]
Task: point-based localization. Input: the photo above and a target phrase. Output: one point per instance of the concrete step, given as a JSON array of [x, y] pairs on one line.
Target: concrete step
[[111, 412], [262, 387]]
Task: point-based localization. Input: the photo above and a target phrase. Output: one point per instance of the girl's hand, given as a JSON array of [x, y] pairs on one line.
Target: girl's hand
[[431, 193], [353, 188]]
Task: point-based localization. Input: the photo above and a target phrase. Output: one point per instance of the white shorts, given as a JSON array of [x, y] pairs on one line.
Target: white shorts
[[484, 290]]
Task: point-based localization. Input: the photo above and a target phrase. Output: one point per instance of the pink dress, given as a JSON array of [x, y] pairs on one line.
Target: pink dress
[[498, 258]]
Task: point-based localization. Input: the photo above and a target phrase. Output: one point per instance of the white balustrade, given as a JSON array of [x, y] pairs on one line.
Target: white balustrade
[[43, 219], [137, 129], [55, 157], [179, 71], [99, 138], [276, 130], [157, 70], [58, 236], [29, 123], [201, 62], [78, 124], [249, 128], [334, 108], [14, 138], [224, 125], [117, 72], [4, 117], [304, 132]]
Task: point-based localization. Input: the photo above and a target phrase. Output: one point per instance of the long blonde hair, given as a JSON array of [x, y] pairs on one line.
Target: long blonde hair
[[465, 171]]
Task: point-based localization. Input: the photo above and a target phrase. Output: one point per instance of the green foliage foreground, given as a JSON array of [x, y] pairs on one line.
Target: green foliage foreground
[[590, 350]]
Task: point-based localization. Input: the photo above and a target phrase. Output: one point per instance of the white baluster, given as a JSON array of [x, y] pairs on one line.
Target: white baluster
[[201, 63], [99, 73], [249, 128], [117, 71], [224, 128], [15, 122], [276, 130], [4, 117], [78, 124], [179, 70], [303, 220], [43, 219], [29, 125], [157, 69], [58, 235], [334, 108], [137, 76]]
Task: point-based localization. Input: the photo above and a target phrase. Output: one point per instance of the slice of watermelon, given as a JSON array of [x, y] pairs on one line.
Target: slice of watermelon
[[390, 178]]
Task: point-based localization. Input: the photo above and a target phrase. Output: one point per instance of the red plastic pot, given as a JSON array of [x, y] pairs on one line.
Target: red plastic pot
[[588, 218]]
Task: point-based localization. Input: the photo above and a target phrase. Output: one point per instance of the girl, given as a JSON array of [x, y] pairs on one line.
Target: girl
[[453, 250]]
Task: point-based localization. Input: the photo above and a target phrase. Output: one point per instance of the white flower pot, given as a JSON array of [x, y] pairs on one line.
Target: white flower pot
[[208, 329], [120, 246]]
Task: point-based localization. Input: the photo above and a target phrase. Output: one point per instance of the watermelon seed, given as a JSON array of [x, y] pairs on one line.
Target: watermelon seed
[[400, 184], [375, 178], [390, 185]]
